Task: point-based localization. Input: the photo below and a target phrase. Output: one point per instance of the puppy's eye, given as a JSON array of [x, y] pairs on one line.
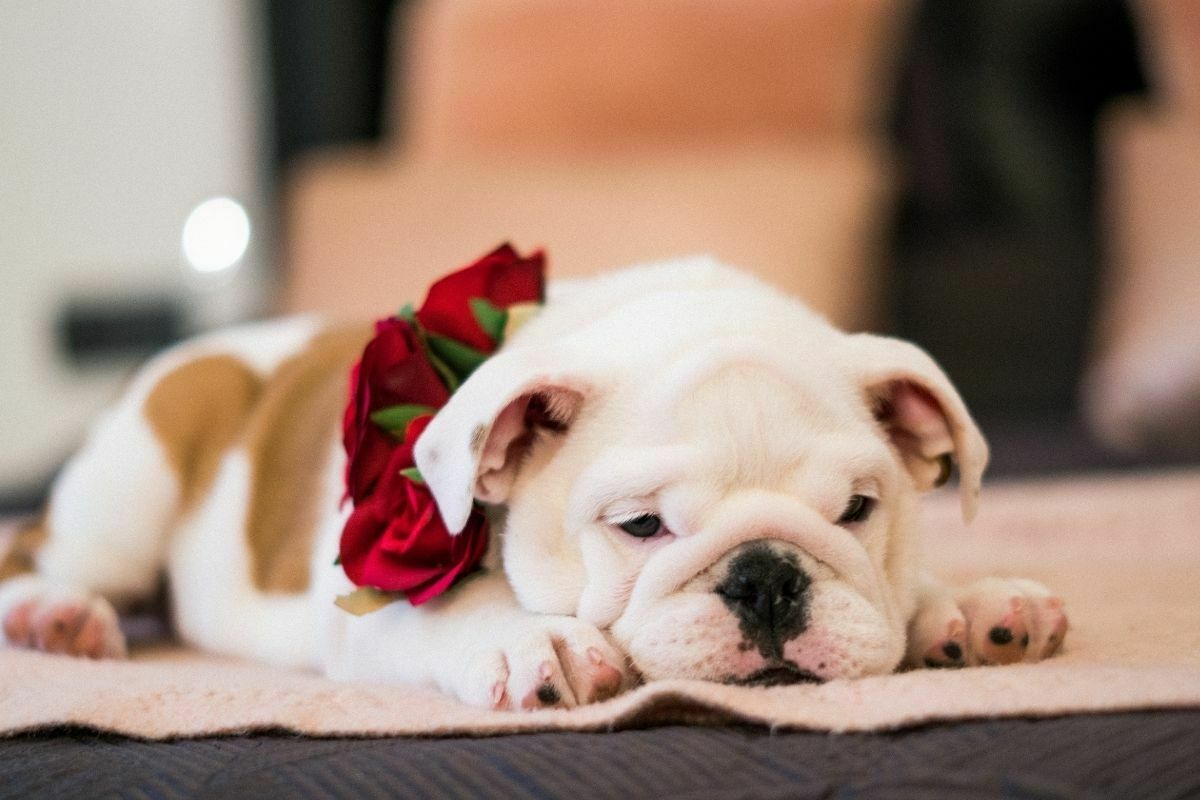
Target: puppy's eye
[[857, 510], [642, 527]]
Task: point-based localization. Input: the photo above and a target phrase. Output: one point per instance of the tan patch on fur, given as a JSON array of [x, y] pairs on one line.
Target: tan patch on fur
[[198, 411], [478, 438], [289, 437], [22, 550], [287, 423]]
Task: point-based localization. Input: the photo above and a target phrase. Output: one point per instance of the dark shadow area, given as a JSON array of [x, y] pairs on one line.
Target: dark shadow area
[[1138, 754]]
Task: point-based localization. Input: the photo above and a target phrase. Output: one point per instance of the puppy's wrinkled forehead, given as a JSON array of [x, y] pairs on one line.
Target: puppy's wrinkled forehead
[[721, 424], [756, 413]]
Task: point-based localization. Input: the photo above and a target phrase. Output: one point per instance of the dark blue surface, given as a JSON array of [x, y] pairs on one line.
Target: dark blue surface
[[1151, 754]]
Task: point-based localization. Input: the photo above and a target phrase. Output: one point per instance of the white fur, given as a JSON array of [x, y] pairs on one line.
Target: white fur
[[216, 604], [111, 507], [735, 414], [691, 391], [114, 508]]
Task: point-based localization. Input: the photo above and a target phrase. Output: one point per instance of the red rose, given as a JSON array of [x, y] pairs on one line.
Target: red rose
[[395, 540], [393, 370], [502, 278]]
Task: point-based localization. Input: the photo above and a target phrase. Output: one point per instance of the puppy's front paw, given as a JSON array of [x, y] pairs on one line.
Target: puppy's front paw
[[40, 617], [544, 662], [992, 621]]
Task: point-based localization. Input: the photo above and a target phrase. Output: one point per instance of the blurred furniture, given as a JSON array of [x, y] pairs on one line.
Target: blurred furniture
[[612, 133], [1144, 392], [997, 248], [119, 120]]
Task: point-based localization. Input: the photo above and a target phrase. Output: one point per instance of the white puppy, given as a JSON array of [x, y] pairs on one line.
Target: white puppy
[[718, 485]]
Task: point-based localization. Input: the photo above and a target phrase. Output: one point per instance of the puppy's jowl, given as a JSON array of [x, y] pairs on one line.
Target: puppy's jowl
[[688, 475]]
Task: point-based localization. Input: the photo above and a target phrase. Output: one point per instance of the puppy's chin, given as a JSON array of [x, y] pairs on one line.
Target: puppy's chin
[[691, 634], [782, 675]]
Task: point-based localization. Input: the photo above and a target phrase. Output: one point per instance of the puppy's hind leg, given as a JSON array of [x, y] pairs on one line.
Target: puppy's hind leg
[[99, 540], [102, 538]]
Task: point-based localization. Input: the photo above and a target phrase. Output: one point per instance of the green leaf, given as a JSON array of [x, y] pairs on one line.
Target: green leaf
[[408, 314], [460, 358], [396, 418], [444, 372], [491, 319], [413, 474]]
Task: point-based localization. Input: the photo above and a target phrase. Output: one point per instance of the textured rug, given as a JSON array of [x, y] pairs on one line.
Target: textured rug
[[1123, 551]]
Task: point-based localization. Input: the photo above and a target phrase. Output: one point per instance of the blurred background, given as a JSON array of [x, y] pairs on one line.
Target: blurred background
[[1013, 185]]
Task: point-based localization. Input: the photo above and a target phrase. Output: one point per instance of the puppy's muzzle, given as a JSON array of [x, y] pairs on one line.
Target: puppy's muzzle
[[768, 592]]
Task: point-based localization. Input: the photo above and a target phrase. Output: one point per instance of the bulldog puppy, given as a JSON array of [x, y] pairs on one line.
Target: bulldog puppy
[[690, 476]]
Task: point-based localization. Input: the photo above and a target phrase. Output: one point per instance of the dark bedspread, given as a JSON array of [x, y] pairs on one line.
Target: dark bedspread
[[1133, 755]]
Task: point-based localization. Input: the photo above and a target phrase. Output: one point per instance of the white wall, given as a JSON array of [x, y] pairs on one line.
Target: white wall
[[116, 118]]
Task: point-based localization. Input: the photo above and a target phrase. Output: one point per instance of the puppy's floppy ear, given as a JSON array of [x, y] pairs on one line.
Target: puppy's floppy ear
[[474, 445], [922, 413]]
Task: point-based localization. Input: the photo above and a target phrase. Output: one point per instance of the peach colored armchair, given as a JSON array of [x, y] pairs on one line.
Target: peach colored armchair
[[611, 133], [1144, 391]]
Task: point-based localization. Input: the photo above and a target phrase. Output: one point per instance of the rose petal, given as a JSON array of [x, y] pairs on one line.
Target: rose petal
[[393, 370], [394, 539], [502, 277]]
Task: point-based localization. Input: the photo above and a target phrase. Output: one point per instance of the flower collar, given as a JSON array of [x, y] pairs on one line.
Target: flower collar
[[394, 542]]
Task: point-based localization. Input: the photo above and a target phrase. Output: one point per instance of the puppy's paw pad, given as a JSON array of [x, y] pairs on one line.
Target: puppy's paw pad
[[56, 621], [937, 636], [1002, 641], [949, 651], [547, 692], [499, 695], [18, 624], [595, 670], [1052, 624], [553, 662], [607, 680], [1011, 621]]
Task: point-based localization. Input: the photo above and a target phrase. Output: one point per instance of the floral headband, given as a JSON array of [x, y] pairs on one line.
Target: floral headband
[[394, 543]]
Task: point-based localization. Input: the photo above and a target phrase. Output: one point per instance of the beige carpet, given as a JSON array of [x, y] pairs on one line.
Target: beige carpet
[[1124, 552]]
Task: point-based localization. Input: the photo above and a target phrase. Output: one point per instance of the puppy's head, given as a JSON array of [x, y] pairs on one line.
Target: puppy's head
[[728, 509]]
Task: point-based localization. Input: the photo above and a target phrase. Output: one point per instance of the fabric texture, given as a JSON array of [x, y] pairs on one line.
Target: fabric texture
[[1124, 552], [1136, 754]]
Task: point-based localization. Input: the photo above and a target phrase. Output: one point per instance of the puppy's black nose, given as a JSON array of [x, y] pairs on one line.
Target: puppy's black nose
[[769, 594]]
